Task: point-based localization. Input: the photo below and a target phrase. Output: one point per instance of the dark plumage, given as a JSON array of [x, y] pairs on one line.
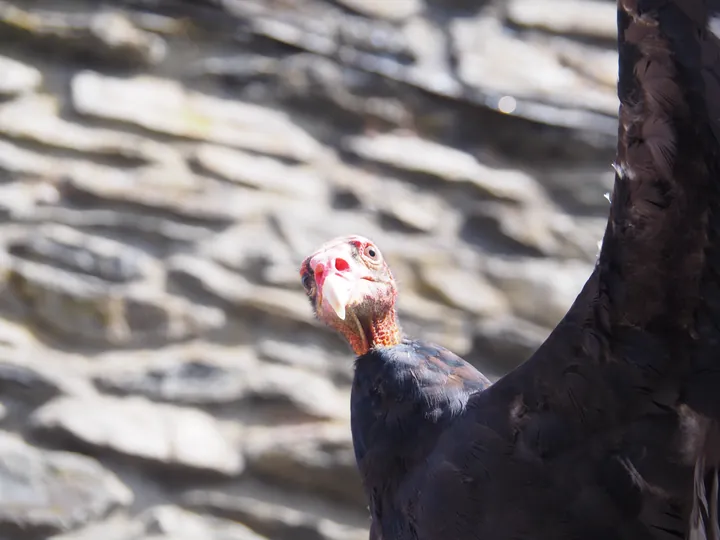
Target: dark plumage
[[610, 429]]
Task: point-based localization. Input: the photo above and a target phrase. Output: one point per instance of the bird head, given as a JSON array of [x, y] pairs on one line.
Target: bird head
[[352, 290]]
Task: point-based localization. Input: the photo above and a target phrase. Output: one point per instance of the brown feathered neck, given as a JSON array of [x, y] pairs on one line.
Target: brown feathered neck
[[382, 330]]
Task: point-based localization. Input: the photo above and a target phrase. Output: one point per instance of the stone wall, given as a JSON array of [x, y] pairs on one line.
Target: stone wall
[[165, 167]]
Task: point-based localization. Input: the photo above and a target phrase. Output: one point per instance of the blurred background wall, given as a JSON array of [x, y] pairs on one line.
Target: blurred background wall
[[165, 167]]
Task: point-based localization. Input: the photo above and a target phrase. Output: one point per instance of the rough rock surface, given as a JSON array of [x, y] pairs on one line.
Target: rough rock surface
[[18, 78], [136, 428], [44, 492], [164, 167]]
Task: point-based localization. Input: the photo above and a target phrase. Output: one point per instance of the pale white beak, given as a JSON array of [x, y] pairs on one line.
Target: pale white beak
[[337, 292]]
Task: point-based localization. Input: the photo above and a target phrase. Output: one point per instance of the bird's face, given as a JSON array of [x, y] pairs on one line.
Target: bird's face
[[351, 289]]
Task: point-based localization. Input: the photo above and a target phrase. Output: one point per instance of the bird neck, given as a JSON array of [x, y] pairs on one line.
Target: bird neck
[[380, 331]]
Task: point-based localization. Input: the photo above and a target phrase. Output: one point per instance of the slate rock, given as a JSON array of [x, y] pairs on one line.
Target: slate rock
[[126, 41], [22, 199], [171, 523], [304, 229], [16, 337], [115, 527], [47, 492], [261, 172], [540, 290], [207, 278], [72, 250], [209, 378], [18, 78], [427, 38], [414, 211], [236, 293], [279, 517], [524, 71], [505, 229], [396, 10], [163, 191], [461, 7], [255, 250], [158, 434], [31, 375], [289, 305], [164, 106], [164, 522], [502, 343], [74, 306], [309, 356], [581, 236], [596, 63], [17, 160], [590, 18], [401, 206], [435, 321], [157, 231], [414, 155], [26, 383], [378, 38], [315, 458], [313, 27], [579, 190], [463, 290], [36, 118], [344, 96], [102, 36]]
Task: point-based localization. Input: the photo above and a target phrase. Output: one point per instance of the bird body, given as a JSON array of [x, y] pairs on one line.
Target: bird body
[[563, 447], [403, 398], [610, 430], [438, 461]]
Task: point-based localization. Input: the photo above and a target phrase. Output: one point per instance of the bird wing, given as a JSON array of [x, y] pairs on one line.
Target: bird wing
[[649, 313], [631, 371]]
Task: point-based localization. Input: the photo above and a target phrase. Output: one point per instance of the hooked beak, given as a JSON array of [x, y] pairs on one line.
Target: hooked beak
[[338, 292]]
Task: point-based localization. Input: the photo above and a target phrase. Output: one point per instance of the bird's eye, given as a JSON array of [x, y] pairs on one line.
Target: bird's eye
[[372, 253]]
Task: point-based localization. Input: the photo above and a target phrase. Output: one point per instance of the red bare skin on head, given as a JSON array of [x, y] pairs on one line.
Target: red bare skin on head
[[353, 291]]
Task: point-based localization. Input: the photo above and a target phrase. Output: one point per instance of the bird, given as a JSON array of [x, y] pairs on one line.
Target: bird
[[610, 429], [489, 480]]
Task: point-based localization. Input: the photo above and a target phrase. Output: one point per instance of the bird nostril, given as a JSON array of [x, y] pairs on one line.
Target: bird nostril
[[341, 265]]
